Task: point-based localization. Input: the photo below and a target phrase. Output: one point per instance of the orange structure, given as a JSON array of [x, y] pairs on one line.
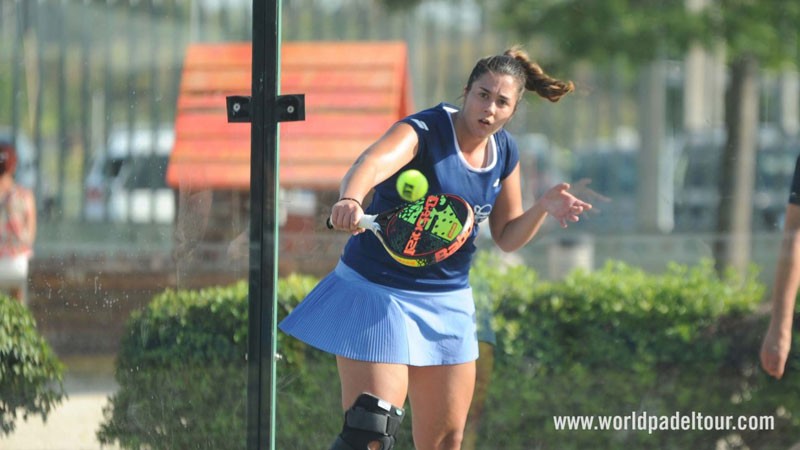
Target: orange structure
[[353, 90]]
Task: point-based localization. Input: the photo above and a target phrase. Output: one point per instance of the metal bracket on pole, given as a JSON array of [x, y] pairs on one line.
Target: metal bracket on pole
[[288, 108], [238, 107]]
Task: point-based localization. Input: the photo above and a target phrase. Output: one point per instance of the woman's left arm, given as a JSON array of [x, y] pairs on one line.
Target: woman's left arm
[[512, 227]]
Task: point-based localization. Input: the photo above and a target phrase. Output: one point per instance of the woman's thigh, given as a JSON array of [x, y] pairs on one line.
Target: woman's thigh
[[440, 397], [387, 381]]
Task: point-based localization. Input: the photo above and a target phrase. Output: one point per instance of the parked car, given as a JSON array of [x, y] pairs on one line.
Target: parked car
[[127, 180], [697, 179]]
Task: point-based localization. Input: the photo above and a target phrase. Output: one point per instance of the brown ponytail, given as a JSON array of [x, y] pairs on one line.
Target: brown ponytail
[[516, 62], [535, 78]]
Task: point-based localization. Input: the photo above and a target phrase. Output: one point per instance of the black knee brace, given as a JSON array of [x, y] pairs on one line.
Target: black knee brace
[[370, 419]]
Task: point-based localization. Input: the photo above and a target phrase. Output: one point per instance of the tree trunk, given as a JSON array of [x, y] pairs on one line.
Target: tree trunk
[[737, 175], [655, 192]]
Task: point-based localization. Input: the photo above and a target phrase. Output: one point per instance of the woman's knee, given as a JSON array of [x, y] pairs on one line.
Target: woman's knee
[[371, 423], [444, 439], [453, 439]]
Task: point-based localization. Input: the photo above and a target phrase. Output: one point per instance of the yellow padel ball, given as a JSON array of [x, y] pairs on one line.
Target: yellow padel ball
[[412, 185]]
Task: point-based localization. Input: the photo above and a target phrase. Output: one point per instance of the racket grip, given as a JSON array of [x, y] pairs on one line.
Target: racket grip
[[365, 222]]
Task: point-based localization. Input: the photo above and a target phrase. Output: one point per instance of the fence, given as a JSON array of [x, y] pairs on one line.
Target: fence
[[74, 70]]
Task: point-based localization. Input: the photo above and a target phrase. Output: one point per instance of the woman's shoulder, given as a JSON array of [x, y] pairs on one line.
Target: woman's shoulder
[[21, 193], [442, 110], [432, 118], [22, 190]]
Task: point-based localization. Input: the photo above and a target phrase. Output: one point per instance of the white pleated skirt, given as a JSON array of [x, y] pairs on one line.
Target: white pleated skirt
[[350, 316], [14, 269]]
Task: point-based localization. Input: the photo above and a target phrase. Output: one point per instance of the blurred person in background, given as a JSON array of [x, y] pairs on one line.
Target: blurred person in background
[[17, 227], [778, 340]]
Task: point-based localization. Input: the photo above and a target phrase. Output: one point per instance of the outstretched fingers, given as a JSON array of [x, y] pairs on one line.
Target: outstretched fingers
[[564, 206]]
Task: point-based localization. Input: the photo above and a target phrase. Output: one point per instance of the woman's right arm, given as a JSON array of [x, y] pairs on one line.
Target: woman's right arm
[[396, 148], [778, 340]]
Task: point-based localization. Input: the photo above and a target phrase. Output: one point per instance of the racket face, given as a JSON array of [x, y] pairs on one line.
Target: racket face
[[429, 230]]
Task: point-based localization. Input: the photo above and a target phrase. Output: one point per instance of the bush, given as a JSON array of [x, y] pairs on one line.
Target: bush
[[612, 342], [182, 372], [31, 376], [619, 341]]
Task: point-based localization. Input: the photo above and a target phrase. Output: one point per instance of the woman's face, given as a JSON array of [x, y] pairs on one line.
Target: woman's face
[[489, 103]]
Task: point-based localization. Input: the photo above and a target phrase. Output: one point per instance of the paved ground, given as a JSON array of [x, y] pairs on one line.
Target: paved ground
[[73, 424]]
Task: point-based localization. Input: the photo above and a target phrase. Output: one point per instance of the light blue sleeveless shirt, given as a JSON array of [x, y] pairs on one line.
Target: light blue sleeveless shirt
[[440, 160]]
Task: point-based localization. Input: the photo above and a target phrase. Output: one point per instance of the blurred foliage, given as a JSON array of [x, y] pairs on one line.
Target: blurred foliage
[[601, 31], [649, 29], [612, 342], [30, 373], [400, 5], [765, 31]]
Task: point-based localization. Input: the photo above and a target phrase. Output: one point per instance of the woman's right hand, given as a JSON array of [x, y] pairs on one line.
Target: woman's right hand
[[345, 215]]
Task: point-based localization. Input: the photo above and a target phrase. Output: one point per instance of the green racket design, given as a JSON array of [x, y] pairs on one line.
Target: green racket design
[[423, 232]]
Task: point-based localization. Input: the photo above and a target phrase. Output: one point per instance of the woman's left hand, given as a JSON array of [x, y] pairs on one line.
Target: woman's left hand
[[562, 205]]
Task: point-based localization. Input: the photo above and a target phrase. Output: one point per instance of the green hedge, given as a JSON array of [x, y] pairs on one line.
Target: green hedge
[[31, 375], [612, 342], [182, 372], [620, 341]]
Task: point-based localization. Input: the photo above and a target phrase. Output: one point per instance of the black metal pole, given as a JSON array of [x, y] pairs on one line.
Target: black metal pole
[[263, 225]]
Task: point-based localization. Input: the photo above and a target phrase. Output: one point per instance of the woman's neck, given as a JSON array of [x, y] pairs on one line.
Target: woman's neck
[[474, 149], [6, 183]]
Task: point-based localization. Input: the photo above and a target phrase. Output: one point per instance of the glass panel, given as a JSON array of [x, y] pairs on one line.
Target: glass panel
[[137, 284], [138, 278]]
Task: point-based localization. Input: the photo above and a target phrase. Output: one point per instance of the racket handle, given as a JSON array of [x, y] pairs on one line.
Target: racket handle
[[365, 221]]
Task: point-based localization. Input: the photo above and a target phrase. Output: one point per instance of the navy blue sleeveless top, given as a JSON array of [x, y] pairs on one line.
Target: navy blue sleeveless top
[[440, 160]]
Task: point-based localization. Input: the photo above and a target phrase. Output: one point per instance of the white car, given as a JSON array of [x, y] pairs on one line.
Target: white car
[[127, 181]]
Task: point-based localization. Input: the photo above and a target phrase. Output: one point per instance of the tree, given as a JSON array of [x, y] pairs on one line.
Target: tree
[[753, 36], [642, 31]]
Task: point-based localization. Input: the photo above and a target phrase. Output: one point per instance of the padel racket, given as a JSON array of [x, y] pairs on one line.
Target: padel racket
[[423, 232]]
